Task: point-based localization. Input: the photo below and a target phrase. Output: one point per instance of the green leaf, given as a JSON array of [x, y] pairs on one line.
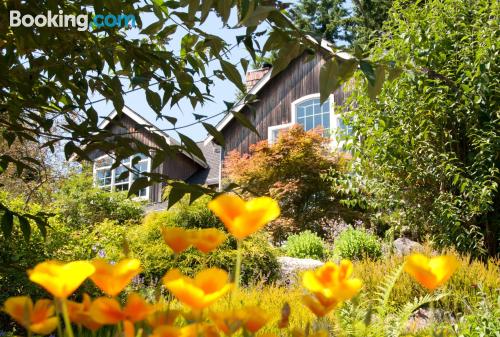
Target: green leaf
[[328, 79], [138, 185], [374, 90], [7, 223], [25, 227], [154, 100], [191, 146], [176, 193], [153, 28], [232, 74], [367, 69], [214, 133], [257, 16], [244, 121]]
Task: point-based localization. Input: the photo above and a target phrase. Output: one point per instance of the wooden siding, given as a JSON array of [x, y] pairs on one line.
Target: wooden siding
[[179, 167], [301, 78]]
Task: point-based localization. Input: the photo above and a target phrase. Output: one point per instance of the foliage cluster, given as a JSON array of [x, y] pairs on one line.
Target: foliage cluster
[[79, 203], [438, 171], [305, 244], [292, 171], [357, 244]]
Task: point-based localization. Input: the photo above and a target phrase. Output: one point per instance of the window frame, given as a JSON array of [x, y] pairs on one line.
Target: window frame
[[111, 186]]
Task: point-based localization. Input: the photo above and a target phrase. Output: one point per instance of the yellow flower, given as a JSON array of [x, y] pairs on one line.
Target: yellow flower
[[200, 292], [254, 318], [227, 321], [160, 318], [244, 218], [59, 279], [332, 282], [319, 308], [330, 285], [112, 279], [177, 238], [193, 330], [208, 239], [79, 313], [299, 333], [39, 318], [105, 310], [431, 273]]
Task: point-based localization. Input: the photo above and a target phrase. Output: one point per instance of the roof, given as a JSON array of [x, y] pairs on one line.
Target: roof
[[210, 175], [149, 127], [261, 84]]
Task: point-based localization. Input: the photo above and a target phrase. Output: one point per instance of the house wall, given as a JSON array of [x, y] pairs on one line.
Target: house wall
[[301, 78], [179, 167]]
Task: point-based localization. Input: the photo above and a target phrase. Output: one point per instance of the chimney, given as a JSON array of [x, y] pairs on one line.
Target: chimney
[[254, 76]]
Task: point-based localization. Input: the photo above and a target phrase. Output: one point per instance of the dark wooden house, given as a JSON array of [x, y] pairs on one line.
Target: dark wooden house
[[183, 167], [290, 97]]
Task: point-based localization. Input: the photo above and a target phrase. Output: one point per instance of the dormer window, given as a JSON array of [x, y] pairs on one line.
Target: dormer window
[[121, 178]]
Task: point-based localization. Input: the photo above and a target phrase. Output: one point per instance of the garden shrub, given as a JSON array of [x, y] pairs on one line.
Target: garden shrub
[[145, 242], [356, 244], [79, 203], [305, 245]]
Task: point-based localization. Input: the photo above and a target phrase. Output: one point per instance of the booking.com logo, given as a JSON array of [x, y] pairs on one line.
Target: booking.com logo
[[81, 21]]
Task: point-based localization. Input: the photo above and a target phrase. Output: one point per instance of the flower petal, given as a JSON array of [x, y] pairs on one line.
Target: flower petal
[[19, 308], [227, 207], [61, 280], [106, 310], [137, 309], [45, 327], [112, 279]]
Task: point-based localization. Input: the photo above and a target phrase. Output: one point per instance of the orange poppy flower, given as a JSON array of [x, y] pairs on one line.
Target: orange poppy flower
[[208, 239], [227, 321], [431, 272], [318, 307], [39, 318], [79, 313], [112, 279], [332, 282], [59, 279], [177, 238], [160, 318], [244, 218], [254, 318], [200, 292], [193, 330], [105, 310]]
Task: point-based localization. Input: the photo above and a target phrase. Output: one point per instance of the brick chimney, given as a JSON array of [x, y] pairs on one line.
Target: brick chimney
[[254, 76]]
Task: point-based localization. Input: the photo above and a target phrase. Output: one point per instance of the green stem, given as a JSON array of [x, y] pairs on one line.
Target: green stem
[[67, 322], [57, 305], [238, 264]]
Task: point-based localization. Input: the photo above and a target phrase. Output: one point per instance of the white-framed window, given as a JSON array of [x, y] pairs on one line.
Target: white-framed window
[[274, 132], [121, 178], [308, 112]]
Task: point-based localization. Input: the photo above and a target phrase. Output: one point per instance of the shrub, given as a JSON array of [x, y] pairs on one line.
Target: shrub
[[293, 171], [145, 242], [79, 203], [305, 245], [355, 244]]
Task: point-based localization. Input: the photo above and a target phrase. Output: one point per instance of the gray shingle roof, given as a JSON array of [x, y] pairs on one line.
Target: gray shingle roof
[[210, 175]]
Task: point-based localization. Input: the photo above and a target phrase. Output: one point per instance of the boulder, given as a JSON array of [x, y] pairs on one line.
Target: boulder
[[291, 267], [404, 246]]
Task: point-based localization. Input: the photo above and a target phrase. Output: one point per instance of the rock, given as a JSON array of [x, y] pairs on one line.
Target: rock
[[291, 267], [404, 246]]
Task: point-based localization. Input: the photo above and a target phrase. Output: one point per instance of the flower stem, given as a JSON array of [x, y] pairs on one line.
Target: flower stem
[[238, 264], [67, 322], [57, 305]]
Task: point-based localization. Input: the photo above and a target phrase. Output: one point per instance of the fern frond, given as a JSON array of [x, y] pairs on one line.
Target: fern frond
[[403, 314], [385, 291]]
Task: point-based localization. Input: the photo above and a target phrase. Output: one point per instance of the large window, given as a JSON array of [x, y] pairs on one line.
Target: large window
[[120, 179], [310, 114]]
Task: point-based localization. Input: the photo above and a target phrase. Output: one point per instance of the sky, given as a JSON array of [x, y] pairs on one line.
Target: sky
[[222, 90]]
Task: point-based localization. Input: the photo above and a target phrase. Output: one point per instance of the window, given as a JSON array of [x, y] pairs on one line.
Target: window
[[274, 132], [310, 113], [120, 179]]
